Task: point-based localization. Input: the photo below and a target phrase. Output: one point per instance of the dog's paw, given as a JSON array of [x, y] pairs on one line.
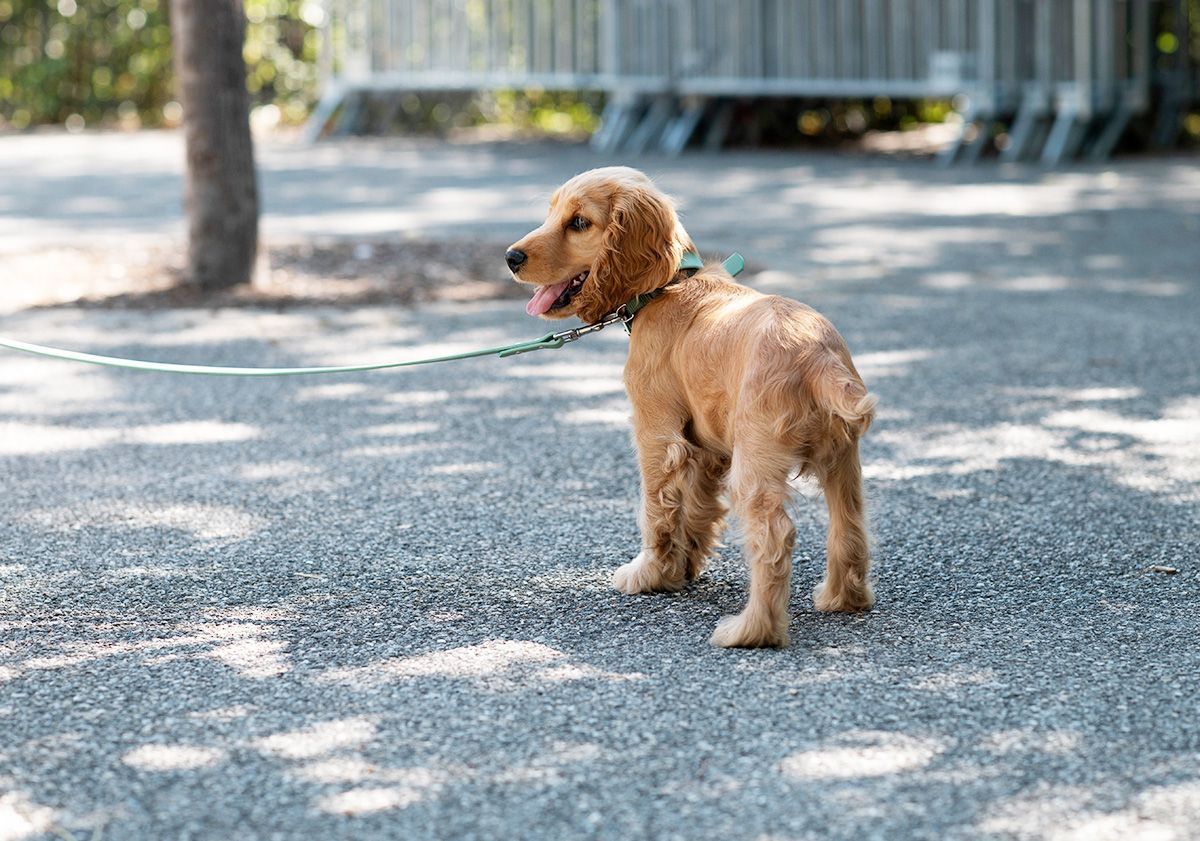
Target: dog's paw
[[638, 576], [849, 599], [747, 630]]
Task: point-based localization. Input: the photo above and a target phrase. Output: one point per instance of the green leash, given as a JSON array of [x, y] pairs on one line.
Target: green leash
[[624, 314]]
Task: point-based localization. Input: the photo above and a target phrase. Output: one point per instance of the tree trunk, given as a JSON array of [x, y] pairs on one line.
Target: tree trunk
[[222, 187]]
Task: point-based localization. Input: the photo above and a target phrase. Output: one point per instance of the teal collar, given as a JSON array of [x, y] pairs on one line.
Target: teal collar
[[692, 263]]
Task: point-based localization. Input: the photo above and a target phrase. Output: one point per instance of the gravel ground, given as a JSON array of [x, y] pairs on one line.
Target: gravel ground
[[377, 606]]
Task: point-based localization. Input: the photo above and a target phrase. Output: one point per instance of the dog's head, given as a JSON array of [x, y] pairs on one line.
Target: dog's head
[[610, 235]]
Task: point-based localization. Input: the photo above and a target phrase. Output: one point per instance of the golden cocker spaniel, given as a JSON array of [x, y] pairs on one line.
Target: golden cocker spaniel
[[733, 393]]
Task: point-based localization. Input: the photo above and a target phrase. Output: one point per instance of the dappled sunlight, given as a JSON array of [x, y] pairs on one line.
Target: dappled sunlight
[[876, 365], [616, 415], [1155, 455], [377, 787], [416, 397], [904, 246], [393, 451], [1073, 813], [372, 604], [157, 757], [45, 389], [25, 439], [863, 754], [319, 739], [21, 818], [248, 648], [191, 432], [399, 430], [209, 523], [1027, 740], [499, 664], [331, 391], [470, 468], [286, 479], [575, 379], [950, 680], [1047, 283], [416, 784], [267, 471], [1034, 283], [1167, 448], [1076, 395], [223, 713]]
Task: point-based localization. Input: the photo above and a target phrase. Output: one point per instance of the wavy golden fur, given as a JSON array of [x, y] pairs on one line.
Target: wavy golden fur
[[733, 393]]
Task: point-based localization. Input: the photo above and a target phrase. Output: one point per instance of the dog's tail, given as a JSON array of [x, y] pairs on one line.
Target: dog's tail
[[851, 407]]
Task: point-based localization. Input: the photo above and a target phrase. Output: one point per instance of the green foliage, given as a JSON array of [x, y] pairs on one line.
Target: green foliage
[[90, 62]]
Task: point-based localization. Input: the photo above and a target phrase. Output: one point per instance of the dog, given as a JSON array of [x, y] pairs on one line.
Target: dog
[[733, 393]]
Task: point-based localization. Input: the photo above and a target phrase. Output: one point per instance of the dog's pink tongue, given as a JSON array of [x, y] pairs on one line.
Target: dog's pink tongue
[[544, 298]]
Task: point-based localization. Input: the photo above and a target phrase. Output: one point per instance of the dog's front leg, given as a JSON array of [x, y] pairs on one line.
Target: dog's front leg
[[664, 455]]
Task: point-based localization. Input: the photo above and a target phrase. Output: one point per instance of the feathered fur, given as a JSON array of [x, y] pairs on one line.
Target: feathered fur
[[733, 392]]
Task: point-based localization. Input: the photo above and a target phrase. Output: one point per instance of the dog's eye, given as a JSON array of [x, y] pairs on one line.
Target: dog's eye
[[579, 224]]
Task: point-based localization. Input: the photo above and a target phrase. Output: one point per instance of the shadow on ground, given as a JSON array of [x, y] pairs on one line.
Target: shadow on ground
[[377, 606]]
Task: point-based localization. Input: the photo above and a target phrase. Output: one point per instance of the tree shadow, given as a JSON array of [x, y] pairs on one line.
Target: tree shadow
[[378, 605]]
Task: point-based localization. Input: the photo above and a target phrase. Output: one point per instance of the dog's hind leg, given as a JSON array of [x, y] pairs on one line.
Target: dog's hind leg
[[845, 587], [758, 482], [703, 508]]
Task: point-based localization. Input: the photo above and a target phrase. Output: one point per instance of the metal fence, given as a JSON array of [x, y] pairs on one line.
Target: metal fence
[[1067, 74]]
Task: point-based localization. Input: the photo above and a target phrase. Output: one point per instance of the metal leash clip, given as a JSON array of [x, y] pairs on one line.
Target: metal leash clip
[[576, 333]]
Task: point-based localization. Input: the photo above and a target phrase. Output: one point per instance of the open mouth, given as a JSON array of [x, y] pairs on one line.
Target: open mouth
[[555, 296]]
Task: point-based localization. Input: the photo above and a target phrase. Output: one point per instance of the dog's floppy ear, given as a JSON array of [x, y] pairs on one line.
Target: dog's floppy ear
[[640, 252]]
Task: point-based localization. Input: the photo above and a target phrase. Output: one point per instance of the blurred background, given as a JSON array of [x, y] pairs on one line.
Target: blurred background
[[661, 74]]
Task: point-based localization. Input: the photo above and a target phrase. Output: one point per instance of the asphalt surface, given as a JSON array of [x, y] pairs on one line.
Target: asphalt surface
[[377, 606]]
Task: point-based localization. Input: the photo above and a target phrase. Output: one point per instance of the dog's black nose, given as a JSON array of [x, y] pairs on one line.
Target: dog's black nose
[[515, 259]]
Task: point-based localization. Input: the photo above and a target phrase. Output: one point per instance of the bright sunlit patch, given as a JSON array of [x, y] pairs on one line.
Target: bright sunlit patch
[[203, 522], [580, 379], [393, 450], [20, 818], [874, 754], [417, 398], [359, 801], [948, 280], [353, 770], [499, 661], [172, 757], [36, 439], [1079, 395], [192, 432], [275, 470], [331, 391], [1027, 740], [943, 681], [400, 430], [1071, 813], [487, 658], [890, 363], [27, 439], [1152, 454], [223, 713], [618, 417], [319, 739], [467, 468], [1036, 283], [247, 648]]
